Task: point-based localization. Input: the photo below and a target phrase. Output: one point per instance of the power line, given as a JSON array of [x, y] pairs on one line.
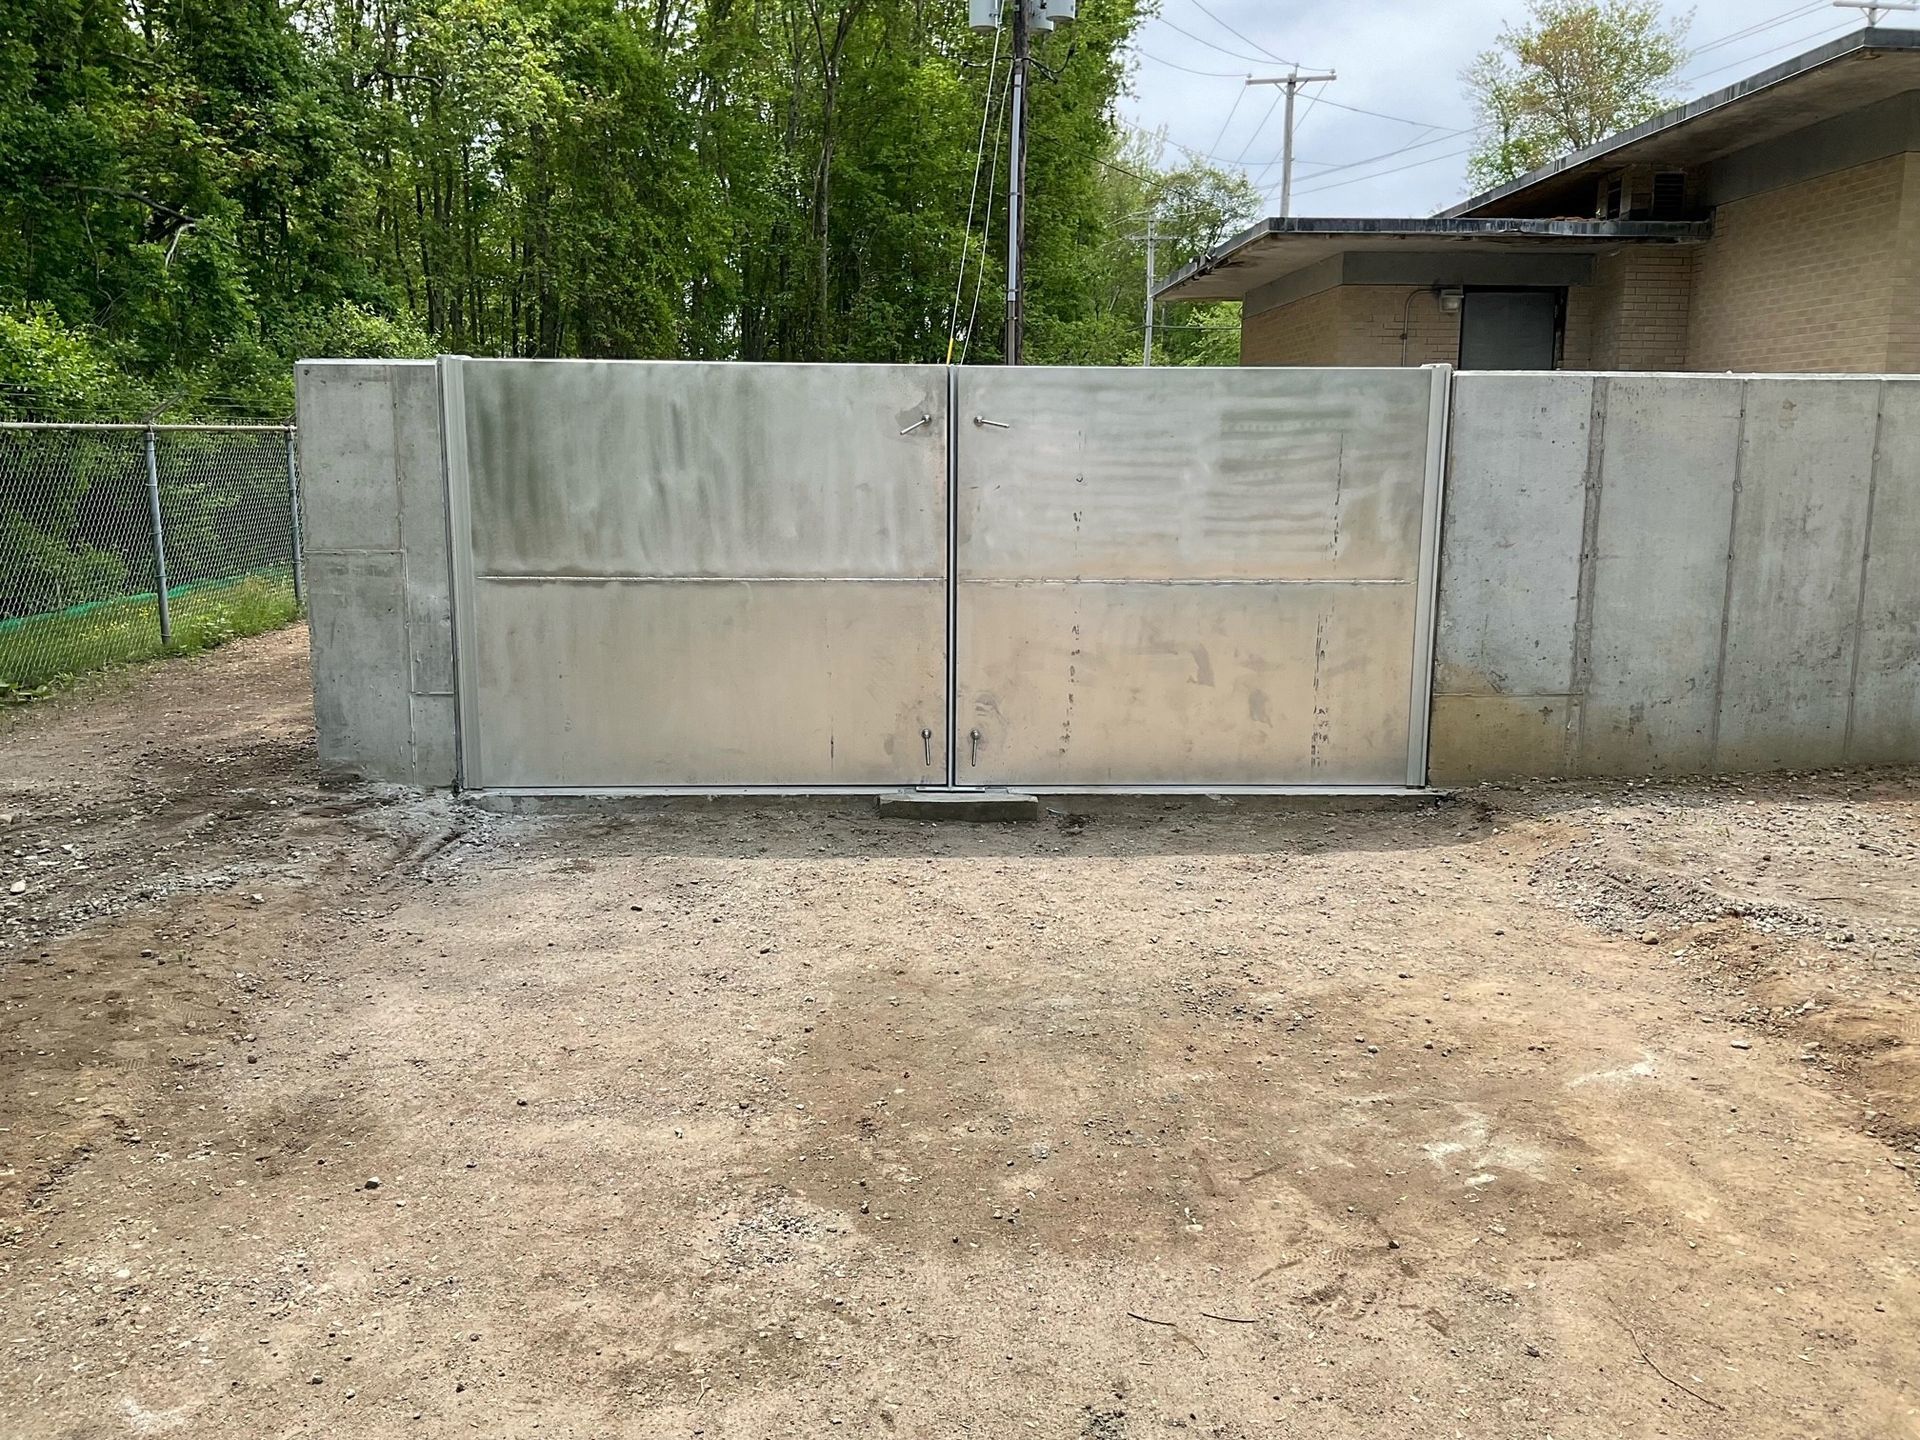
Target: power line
[[1261, 174], [1404, 120], [1168, 140], [1206, 74], [1382, 174], [979, 159], [1225, 125], [1241, 157], [986, 222], [1748, 59], [1202, 40], [1757, 27], [1375, 159], [1277, 59]]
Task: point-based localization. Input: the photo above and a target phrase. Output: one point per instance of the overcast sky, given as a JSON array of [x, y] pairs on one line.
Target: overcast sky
[[1401, 58]]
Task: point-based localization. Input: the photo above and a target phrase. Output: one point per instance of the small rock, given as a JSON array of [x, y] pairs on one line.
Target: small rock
[[1648, 937], [19, 887], [1741, 1044], [373, 1182], [314, 1379]]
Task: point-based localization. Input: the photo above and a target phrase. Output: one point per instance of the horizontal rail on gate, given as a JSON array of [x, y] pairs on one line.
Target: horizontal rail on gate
[[137, 426]]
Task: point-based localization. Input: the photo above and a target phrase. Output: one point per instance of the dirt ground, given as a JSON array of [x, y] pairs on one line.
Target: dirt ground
[[1551, 1110]]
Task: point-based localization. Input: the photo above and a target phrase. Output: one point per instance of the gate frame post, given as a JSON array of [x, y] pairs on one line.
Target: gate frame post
[[1427, 593], [469, 769], [293, 519], [159, 542], [953, 577]]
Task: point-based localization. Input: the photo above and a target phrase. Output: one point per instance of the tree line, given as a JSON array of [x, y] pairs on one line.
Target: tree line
[[193, 193]]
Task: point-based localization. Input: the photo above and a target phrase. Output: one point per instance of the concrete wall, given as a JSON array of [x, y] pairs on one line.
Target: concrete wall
[[1639, 574], [373, 505], [1647, 574]]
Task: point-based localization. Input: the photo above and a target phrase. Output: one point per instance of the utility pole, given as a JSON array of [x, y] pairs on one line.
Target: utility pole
[[1292, 80], [1017, 190], [1876, 9], [1147, 355], [1030, 17]]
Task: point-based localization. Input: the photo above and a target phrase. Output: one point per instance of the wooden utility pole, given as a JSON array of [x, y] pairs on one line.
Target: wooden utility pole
[[1293, 80], [1017, 191]]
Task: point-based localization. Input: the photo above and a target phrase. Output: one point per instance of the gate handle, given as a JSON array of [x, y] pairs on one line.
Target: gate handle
[[923, 420], [973, 747], [996, 424], [926, 744]]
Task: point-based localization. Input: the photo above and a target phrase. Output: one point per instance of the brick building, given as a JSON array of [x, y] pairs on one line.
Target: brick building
[[1771, 226]]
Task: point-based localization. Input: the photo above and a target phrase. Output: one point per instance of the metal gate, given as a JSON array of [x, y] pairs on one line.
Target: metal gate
[[698, 575], [709, 576], [1196, 577]]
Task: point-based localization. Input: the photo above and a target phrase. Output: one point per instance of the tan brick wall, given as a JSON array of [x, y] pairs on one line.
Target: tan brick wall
[[1639, 304], [1354, 325], [1803, 277], [1378, 316], [1576, 344], [1306, 331], [1903, 320]]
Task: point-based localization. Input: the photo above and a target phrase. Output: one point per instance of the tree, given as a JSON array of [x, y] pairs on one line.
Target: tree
[[1574, 73], [194, 193]]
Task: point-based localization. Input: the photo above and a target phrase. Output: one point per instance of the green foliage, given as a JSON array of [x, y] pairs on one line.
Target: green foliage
[[1574, 73], [194, 193], [60, 372], [42, 652]]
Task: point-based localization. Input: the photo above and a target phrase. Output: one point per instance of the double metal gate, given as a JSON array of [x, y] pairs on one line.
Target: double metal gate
[[709, 576]]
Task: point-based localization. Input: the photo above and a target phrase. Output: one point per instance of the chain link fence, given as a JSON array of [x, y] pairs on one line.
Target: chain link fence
[[122, 542]]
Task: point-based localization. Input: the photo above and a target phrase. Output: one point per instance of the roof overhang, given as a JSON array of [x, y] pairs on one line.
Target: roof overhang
[[1844, 75], [1280, 246]]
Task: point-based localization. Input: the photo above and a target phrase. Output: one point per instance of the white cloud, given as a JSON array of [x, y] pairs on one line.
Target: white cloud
[[1398, 57]]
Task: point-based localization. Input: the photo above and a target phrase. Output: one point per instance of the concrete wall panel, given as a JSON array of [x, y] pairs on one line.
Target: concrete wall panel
[[1727, 616], [421, 480], [355, 604], [1658, 572], [1510, 547], [347, 476], [374, 519], [1886, 700], [1799, 533]]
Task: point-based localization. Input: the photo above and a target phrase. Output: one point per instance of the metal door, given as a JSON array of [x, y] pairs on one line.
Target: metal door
[[699, 575], [1509, 329], [1199, 578]]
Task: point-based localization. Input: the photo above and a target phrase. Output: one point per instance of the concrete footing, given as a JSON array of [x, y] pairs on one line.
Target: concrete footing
[[972, 805]]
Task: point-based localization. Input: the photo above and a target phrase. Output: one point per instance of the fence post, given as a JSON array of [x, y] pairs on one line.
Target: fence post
[[293, 518], [159, 542]]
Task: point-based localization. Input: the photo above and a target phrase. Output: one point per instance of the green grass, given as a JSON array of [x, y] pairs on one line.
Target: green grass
[[39, 653]]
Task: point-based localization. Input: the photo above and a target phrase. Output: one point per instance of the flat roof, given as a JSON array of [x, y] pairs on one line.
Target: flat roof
[[1281, 245], [1843, 75]]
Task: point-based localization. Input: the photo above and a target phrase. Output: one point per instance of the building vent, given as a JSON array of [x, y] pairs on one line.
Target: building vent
[[1669, 195]]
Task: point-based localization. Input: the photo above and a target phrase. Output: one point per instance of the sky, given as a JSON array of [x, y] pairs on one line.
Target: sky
[[1401, 59]]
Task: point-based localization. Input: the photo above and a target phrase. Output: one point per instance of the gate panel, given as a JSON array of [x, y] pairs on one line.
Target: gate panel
[[699, 575], [1195, 577]]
